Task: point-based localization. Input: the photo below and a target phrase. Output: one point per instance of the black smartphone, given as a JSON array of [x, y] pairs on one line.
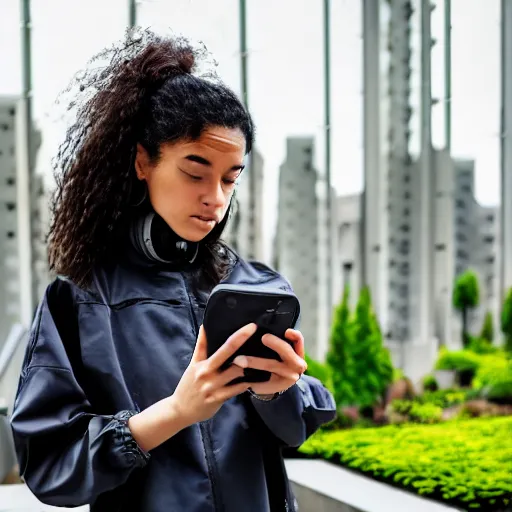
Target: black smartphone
[[230, 307]]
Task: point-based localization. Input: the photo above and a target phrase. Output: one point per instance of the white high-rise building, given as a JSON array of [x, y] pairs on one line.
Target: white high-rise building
[[398, 199], [244, 231], [296, 244], [17, 211], [348, 259]]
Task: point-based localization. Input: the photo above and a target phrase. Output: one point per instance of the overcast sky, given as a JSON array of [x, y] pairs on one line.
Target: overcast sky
[[285, 40]]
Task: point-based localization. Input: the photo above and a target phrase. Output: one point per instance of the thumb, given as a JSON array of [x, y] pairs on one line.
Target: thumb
[[201, 348]]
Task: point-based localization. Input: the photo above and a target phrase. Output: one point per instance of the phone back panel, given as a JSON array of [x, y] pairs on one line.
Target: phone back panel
[[230, 307]]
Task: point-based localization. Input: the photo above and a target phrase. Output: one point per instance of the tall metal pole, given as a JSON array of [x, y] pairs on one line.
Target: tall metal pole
[[327, 114], [243, 51], [506, 147], [132, 13], [29, 149], [251, 249], [448, 72]]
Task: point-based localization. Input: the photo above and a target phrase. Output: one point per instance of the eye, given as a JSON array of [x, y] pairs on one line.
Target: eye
[[229, 182]]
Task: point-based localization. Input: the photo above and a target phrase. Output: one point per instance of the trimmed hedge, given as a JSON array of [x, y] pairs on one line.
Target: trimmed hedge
[[467, 464]]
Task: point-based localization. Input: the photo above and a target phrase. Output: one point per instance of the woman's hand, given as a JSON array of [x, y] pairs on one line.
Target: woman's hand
[[203, 387], [199, 395], [285, 373]]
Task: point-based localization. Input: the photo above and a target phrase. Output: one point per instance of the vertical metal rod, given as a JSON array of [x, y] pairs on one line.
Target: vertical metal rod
[[243, 51], [506, 147], [327, 114], [448, 72], [251, 249], [132, 13], [26, 49]]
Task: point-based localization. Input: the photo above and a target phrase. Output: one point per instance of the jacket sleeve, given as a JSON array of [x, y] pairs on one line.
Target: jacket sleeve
[[68, 455], [298, 412]]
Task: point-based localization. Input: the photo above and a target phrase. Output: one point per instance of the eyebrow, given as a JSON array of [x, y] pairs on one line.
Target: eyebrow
[[200, 160]]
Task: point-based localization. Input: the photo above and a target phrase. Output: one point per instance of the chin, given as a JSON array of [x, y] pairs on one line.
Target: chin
[[193, 235]]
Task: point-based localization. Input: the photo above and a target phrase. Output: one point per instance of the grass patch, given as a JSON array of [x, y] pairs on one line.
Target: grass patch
[[467, 463]]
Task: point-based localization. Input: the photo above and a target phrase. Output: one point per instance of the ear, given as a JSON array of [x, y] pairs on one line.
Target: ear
[[141, 162]]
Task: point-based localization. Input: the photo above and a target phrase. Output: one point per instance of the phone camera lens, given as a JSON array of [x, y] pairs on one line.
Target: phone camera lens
[[231, 302]]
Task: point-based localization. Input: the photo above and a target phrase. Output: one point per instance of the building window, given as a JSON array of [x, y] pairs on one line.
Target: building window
[[404, 269], [404, 247]]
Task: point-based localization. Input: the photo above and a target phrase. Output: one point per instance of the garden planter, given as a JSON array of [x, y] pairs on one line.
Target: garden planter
[[465, 377], [445, 378]]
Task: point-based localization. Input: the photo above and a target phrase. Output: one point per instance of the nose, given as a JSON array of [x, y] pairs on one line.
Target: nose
[[215, 196]]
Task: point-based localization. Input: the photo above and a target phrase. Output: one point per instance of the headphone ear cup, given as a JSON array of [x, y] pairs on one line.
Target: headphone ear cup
[[150, 232]]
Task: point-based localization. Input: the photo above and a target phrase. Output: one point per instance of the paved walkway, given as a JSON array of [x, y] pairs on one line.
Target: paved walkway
[[17, 498]]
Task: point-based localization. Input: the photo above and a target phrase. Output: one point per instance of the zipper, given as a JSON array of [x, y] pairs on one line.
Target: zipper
[[204, 427]]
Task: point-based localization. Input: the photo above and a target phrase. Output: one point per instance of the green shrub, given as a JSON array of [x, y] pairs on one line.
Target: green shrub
[[339, 360], [467, 464], [417, 412], [360, 365], [466, 295], [506, 320], [459, 360], [430, 383], [481, 346], [398, 374], [492, 369], [444, 397], [320, 371], [487, 333], [500, 391]]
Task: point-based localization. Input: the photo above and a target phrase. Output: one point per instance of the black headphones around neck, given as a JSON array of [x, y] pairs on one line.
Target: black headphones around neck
[[153, 238]]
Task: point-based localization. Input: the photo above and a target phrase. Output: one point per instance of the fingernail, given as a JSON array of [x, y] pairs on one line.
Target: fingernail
[[240, 361]]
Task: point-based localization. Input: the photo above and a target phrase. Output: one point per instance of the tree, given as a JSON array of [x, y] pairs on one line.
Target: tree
[[506, 320], [372, 363], [466, 296], [487, 333], [338, 356]]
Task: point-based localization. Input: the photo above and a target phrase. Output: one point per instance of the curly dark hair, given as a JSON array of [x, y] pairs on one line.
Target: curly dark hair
[[141, 90]]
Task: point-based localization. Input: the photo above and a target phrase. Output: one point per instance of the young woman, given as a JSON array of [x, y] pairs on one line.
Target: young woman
[[118, 404]]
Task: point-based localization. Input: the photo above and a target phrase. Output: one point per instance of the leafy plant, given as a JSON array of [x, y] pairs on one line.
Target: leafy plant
[[487, 333], [466, 464], [506, 321], [430, 383], [458, 360], [444, 397], [339, 359], [466, 295], [398, 374], [360, 365], [320, 371], [481, 346], [418, 412]]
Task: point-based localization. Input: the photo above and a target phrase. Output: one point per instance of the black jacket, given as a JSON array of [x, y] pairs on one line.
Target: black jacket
[[96, 357]]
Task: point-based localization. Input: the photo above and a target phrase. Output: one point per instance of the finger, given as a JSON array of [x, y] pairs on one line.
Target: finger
[[286, 352], [232, 373], [201, 348], [298, 341], [233, 343], [228, 392], [269, 365]]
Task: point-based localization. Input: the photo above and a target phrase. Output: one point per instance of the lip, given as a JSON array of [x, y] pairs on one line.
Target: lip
[[205, 218], [204, 222]]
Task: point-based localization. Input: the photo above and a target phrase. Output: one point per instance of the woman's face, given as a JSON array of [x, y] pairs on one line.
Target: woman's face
[[192, 184]]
